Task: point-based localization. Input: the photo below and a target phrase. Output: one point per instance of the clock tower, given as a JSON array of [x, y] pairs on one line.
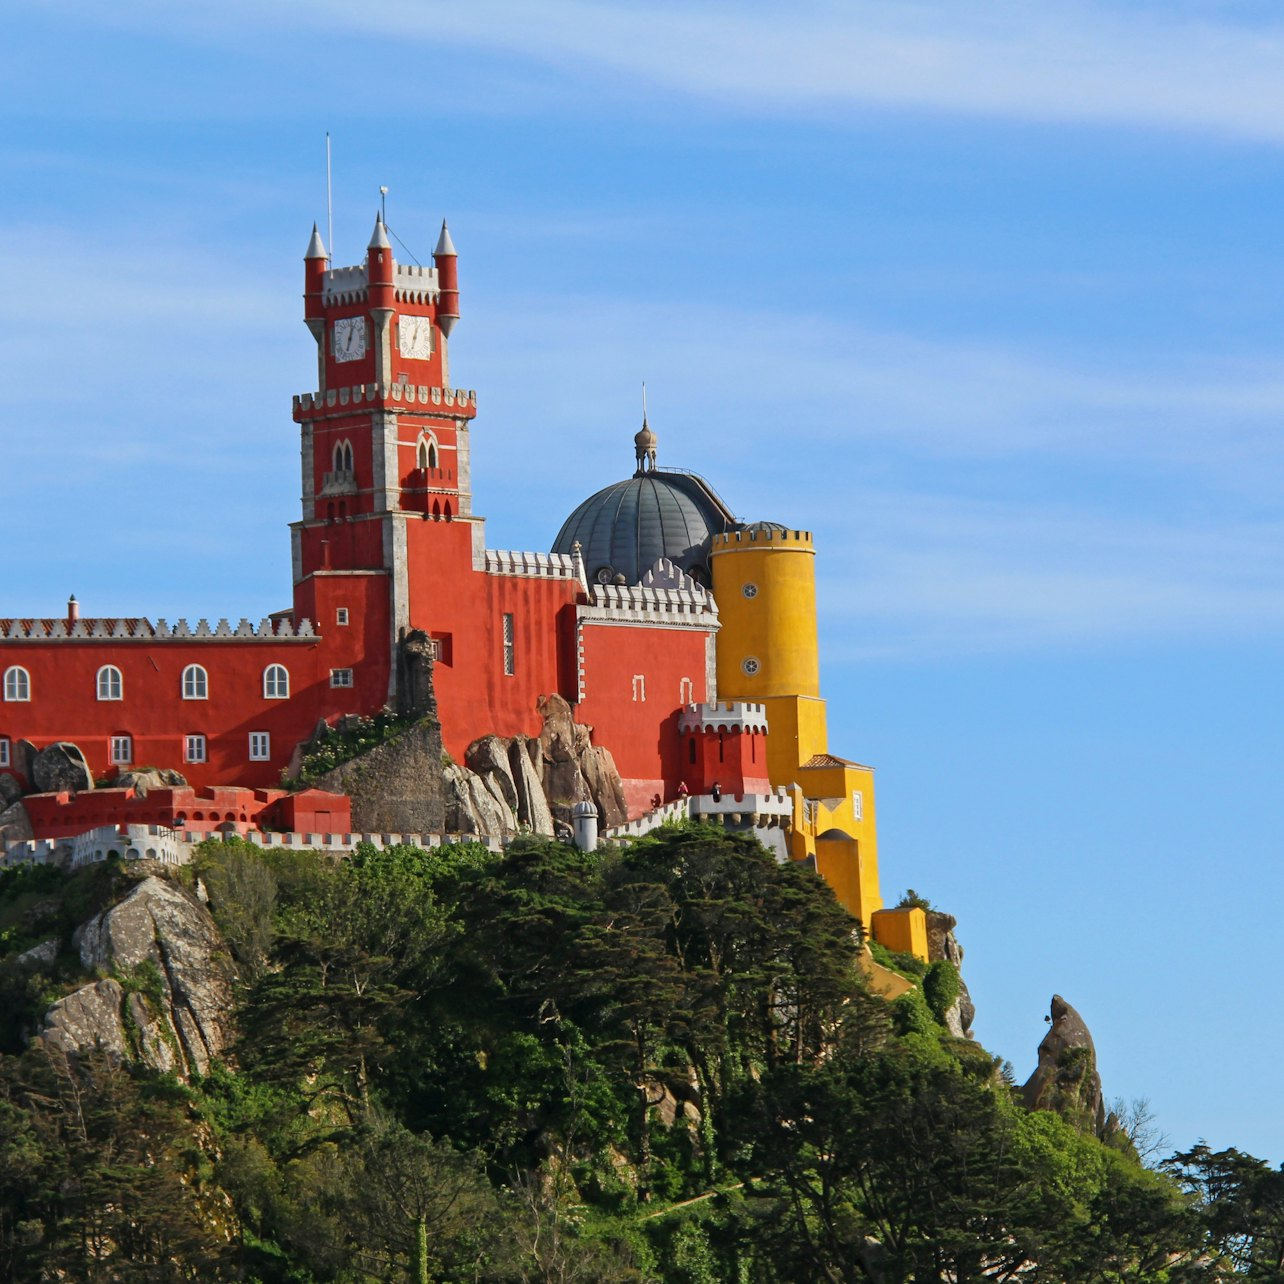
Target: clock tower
[[384, 438]]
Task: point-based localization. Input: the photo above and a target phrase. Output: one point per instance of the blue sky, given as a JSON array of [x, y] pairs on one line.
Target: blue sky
[[986, 295]]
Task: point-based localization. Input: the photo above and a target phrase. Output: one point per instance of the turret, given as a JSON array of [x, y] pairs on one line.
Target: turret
[[379, 266], [446, 260], [315, 263]]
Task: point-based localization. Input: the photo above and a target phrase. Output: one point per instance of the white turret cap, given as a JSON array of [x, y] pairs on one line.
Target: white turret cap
[[380, 241], [316, 246], [444, 244]]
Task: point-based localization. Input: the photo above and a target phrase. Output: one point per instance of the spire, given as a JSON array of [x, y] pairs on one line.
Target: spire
[[444, 244], [380, 241], [316, 247]]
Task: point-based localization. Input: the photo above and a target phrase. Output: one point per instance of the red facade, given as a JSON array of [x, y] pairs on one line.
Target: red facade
[[387, 543]]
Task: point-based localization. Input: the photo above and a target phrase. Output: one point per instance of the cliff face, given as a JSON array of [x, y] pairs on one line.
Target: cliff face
[[1066, 1078], [167, 998]]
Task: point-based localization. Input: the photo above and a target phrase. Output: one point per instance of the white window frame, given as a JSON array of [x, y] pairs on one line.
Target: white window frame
[[196, 683], [341, 616], [121, 751], [272, 682], [260, 746], [110, 683], [195, 748], [686, 691], [6, 752], [341, 678], [858, 805], [639, 688], [17, 685], [510, 645]]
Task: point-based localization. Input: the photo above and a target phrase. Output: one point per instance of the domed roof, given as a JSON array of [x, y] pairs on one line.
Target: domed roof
[[624, 529]]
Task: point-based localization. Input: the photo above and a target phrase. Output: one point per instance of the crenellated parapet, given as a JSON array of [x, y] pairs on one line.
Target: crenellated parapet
[[411, 283], [729, 715], [760, 536], [630, 601], [345, 285], [551, 566], [459, 401], [415, 284], [141, 630]]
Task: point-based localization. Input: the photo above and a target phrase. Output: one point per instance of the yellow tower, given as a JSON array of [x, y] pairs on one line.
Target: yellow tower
[[764, 581]]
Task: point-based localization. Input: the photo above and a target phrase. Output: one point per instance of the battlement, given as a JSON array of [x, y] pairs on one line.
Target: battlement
[[731, 541], [345, 285], [640, 603], [731, 715], [556, 566], [415, 284], [141, 630], [370, 394]]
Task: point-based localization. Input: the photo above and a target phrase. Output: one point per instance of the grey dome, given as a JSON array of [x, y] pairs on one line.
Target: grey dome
[[625, 529]]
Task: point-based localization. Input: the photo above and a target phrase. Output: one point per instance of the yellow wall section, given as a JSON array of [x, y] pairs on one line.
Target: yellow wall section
[[844, 840], [903, 931]]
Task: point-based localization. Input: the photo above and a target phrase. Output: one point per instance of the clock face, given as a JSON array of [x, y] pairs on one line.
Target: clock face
[[349, 338], [414, 337]]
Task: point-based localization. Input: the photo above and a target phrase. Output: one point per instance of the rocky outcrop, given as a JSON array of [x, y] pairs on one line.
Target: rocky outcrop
[[10, 790], [475, 806], [1066, 1078], [167, 998], [15, 825], [576, 770], [61, 767], [532, 803], [943, 944]]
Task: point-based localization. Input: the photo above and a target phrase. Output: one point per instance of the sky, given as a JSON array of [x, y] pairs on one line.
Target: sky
[[987, 296]]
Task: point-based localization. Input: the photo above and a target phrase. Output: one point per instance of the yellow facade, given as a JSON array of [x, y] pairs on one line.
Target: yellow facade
[[904, 931], [764, 581]]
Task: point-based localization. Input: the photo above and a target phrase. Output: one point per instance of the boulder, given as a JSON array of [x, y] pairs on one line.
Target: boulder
[[574, 769], [943, 944], [1066, 1078], [61, 767], [150, 778], [471, 808], [10, 790], [15, 825], [489, 757], [177, 1017], [39, 957], [532, 806]]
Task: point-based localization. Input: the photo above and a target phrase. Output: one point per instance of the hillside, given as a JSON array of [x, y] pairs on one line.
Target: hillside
[[657, 1064]]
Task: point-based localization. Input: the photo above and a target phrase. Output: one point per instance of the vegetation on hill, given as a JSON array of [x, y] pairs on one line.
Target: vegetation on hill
[[656, 1064]]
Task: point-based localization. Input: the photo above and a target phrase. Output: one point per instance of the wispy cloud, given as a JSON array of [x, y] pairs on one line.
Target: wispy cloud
[[1181, 66]]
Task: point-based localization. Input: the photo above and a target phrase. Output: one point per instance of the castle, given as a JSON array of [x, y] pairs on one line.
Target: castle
[[685, 638]]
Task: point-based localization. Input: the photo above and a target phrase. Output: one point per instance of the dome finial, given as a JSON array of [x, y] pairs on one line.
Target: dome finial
[[644, 442]]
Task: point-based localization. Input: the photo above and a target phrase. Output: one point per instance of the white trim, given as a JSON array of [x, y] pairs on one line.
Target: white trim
[[17, 685], [199, 685], [103, 681]]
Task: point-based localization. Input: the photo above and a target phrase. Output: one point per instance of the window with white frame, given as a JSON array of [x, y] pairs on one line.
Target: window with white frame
[[17, 683], [122, 750], [510, 646], [340, 677], [858, 805], [111, 686], [341, 615], [196, 685], [5, 752], [686, 691], [260, 746], [639, 688], [276, 682], [193, 748]]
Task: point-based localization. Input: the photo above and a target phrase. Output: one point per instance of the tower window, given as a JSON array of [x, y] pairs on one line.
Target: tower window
[[340, 677], [750, 664], [276, 682], [194, 748], [691, 750], [17, 683], [122, 750], [5, 752], [510, 646], [196, 686], [260, 746], [343, 457], [341, 615], [111, 685], [639, 687]]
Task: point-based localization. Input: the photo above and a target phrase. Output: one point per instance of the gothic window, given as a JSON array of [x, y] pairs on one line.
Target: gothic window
[[122, 750], [260, 746], [343, 457], [17, 683], [194, 748], [276, 682], [111, 686], [196, 686]]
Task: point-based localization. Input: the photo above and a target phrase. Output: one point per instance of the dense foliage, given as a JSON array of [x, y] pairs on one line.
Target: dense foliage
[[660, 1063]]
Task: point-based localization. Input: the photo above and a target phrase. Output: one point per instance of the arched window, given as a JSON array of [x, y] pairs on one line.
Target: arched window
[[17, 683], [196, 684], [343, 457], [276, 682], [436, 509], [111, 686]]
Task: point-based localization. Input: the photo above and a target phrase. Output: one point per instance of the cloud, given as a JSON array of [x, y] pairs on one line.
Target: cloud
[[1199, 67]]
